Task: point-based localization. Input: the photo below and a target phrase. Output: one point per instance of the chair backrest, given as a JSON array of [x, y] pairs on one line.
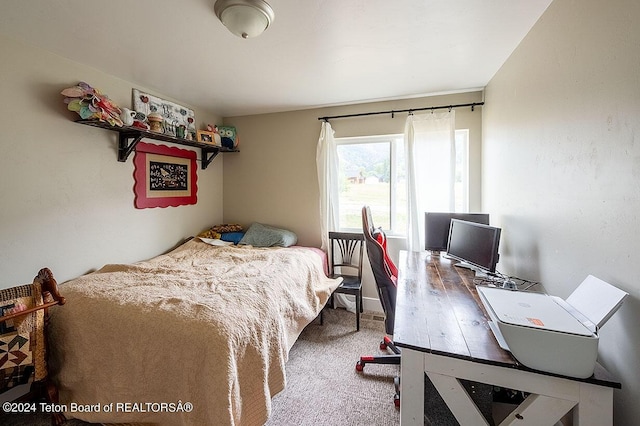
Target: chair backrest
[[384, 271], [346, 251]]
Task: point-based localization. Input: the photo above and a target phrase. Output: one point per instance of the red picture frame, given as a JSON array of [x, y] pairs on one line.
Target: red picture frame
[[164, 176]]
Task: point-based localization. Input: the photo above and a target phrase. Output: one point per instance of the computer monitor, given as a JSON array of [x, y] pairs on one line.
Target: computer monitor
[[475, 244], [436, 227]]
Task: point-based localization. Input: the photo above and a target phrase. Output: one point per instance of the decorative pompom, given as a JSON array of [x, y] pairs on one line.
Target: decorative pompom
[[91, 104]]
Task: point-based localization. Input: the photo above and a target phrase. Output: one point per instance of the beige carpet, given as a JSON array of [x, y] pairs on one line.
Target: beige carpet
[[323, 386]]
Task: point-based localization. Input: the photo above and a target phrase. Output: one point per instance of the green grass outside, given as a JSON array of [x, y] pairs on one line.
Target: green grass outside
[[376, 195]]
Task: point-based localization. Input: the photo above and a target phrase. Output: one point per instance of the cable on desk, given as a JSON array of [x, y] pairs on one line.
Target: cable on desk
[[499, 279]]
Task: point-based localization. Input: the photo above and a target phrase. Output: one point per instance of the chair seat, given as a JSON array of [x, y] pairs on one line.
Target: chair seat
[[349, 284]]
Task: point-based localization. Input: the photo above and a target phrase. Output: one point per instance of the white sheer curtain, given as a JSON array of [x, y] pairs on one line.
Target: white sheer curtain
[[328, 181], [430, 154], [327, 165]]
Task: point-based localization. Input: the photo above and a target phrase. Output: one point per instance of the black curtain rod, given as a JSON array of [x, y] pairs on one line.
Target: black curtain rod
[[410, 111]]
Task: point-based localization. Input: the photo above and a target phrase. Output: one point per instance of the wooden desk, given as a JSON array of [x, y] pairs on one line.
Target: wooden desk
[[442, 328]]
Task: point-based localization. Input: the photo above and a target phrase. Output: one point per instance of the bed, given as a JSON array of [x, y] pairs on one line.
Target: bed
[[196, 336]]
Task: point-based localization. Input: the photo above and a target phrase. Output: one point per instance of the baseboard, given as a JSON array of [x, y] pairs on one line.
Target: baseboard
[[372, 304]]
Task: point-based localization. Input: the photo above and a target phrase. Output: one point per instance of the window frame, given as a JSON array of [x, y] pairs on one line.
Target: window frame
[[391, 140]]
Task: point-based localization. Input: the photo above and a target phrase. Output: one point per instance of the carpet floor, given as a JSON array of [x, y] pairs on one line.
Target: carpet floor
[[323, 386]]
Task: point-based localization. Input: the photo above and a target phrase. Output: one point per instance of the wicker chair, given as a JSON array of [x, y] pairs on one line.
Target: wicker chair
[[23, 338]]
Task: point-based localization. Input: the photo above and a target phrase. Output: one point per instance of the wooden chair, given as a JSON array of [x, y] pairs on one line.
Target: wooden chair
[[23, 338], [345, 260]]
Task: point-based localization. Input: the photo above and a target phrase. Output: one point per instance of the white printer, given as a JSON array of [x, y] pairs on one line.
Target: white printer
[[549, 334]]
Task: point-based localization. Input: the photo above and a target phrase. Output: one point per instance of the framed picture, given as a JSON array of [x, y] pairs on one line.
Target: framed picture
[[164, 176], [174, 115], [204, 136]]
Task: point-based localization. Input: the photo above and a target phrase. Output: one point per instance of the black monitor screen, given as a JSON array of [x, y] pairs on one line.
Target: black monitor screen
[[474, 243], [436, 227]]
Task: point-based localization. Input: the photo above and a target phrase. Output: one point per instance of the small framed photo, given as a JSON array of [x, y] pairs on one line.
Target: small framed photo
[[204, 136]]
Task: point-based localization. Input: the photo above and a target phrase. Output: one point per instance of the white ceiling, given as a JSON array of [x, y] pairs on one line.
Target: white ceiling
[[316, 53]]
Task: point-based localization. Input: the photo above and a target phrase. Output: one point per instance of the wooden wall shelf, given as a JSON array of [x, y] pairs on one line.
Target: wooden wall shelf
[[128, 138]]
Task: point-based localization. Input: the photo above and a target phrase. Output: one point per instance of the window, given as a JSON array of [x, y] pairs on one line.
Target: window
[[372, 172]]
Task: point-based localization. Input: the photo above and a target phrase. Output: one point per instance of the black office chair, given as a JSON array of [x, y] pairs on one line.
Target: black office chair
[[385, 274], [346, 251]]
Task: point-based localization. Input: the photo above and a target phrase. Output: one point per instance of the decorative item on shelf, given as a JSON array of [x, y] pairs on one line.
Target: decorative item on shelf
[[173, 115], [155, 122], [217, 141], [169, 128], [181, 131], [140, 116], [127, 116], [229, 137], [204, 136], [140, 125], [140, 120], [91, 104]]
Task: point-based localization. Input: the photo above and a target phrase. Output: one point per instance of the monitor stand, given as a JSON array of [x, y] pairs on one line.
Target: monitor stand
[[466, 265], [495, 280], [484, 275]]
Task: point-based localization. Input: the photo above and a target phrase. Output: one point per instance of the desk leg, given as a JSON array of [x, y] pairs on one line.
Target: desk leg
[[457, 399], [411, 388], [551, 397], [539, 410], [596, 406]]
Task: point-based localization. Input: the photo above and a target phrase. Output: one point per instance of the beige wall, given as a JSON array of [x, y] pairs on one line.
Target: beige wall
[[66, 203], [561, 162], [273, 179]]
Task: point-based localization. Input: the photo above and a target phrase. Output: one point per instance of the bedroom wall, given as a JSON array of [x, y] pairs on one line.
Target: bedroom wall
[[561, 165], [66, 202], [273, 180]]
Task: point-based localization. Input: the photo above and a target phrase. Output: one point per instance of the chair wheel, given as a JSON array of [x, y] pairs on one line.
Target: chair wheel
[[359, 366], [396, 400], [383, 345]]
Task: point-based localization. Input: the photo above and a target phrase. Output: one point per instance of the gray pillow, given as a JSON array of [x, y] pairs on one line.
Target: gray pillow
[[259, 235]]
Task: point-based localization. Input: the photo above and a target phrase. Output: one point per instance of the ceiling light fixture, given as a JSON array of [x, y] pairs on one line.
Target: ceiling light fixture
[[244, 18]]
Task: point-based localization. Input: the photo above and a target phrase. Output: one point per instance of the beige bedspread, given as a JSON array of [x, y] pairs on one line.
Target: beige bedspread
[[202, 325]]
